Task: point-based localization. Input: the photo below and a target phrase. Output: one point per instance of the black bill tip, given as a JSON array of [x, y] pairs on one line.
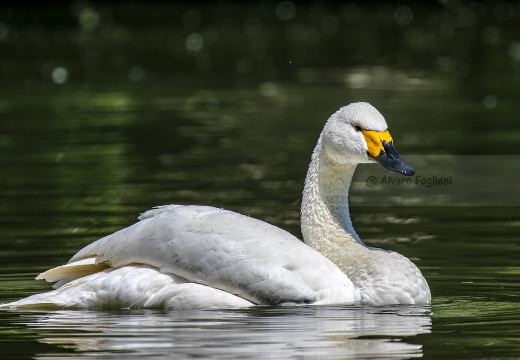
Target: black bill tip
[[391, 160]]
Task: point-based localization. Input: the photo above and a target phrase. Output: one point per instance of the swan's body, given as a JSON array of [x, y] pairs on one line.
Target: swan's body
[[182, 257]]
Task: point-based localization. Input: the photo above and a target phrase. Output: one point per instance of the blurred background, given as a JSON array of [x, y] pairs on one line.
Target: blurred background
[[110, 108], [246, 43]]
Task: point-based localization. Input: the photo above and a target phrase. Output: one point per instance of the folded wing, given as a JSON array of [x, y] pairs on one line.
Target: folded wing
[[219, 249]]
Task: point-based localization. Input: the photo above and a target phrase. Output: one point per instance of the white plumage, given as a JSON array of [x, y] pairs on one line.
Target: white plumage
[[185, 257]]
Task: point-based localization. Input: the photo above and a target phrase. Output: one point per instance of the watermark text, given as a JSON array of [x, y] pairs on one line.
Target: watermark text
[[418, 180]]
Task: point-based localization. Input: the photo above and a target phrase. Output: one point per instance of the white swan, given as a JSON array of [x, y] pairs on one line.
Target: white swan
[[185, 257]]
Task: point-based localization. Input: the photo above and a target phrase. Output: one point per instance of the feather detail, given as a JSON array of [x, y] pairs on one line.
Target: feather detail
[[72, 271]]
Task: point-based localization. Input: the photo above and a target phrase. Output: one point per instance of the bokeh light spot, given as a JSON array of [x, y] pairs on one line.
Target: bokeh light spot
[[194, 43], [490, 102], [59, 75], [285, 10], [403, 15]]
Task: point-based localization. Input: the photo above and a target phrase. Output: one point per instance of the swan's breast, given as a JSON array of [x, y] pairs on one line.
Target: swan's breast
[[387, 277]]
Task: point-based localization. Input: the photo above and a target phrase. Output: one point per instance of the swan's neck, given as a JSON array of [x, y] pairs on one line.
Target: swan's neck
[[326, 226], [325, 213]]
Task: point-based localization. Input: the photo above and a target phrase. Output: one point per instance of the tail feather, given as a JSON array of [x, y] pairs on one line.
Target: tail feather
[[68, 272]]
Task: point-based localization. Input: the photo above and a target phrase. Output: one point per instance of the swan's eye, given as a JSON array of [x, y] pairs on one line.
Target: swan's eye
[[358, 128]]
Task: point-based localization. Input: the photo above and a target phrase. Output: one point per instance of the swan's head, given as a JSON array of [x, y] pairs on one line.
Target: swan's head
[[358, 132]]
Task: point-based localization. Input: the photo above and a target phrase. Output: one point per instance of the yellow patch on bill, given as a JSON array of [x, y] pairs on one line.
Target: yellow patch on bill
[[374, 140]]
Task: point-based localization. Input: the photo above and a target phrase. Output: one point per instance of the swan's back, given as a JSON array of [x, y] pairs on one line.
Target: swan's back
[[227, 251]]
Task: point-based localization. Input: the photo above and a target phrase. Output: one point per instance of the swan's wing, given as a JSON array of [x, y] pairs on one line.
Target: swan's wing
[[131, 287], [228, 251]]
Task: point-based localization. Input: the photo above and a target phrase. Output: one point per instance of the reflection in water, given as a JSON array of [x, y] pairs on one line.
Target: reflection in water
[[303, 332]]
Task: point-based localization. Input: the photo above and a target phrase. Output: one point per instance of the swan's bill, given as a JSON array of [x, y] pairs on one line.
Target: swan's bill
[[391, 160], [381, 143]]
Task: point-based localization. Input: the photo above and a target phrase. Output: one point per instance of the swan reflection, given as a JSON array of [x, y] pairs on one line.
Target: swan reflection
[[282, 332]]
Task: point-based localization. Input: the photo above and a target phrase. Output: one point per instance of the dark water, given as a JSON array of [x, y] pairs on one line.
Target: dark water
[[106, 112]]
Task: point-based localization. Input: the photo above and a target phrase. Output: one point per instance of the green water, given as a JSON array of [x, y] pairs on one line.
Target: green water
[[145, 115]]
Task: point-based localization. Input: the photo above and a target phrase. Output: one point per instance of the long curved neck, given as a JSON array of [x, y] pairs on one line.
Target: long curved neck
[[325, 217], [326, 226]]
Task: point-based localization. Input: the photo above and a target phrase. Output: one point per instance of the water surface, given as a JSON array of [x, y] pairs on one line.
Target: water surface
[[138, 123]]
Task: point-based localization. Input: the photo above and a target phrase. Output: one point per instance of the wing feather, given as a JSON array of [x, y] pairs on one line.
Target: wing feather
[[74, 270], [227, 251]]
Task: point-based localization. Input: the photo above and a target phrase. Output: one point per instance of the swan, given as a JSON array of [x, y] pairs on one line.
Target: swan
[[201, 257]]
